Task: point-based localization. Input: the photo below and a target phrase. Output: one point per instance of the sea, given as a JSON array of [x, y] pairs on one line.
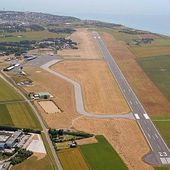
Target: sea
[[154, 23]]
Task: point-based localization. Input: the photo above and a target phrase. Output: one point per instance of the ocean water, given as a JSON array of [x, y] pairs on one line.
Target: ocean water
[[154, 23]]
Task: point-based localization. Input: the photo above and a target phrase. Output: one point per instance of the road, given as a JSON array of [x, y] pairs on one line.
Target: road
[[79, 96], [160, 153], [45, 130]]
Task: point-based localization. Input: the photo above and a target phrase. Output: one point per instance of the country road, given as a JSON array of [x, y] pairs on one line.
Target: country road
[[45, 130]]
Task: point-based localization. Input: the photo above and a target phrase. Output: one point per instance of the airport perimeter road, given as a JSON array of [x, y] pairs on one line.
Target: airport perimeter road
[[160, 154]]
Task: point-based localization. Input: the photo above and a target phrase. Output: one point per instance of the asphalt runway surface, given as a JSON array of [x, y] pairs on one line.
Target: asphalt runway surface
[[160, 153]]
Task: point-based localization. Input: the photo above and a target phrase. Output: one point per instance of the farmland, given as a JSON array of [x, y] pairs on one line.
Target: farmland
[[148, 51], [18, 115], [7, 93], [72, 159], [34, 163], [32, 35], [102, 156], [158, 70]]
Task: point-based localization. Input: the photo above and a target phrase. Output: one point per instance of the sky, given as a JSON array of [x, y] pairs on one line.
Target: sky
[[90, 7]]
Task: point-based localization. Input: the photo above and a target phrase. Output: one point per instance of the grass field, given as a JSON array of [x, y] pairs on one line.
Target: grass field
[[149, 51], [34, 164], [164, 129], [161, 168], [72, 159], [158, 69], [102, 156], [7, 93], [119, 35], [49, 152], [18, 115], [32, 35]]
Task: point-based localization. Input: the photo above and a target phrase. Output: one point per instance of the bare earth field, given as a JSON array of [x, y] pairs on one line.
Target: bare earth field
[[125, 137], [49, 107], [100, 91], [151, 97], [87, 47], [63, 96]]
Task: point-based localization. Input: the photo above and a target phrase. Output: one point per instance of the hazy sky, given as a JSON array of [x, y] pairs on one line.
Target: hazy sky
[[83, 7]]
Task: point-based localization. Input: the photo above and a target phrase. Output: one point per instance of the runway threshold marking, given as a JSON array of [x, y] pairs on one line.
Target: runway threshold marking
[[164, 161], [137, 116], [168, 160], [146, 116]]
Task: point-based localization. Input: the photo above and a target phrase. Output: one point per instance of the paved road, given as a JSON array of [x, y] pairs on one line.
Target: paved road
[[160, 154], [79, 97], [45, 130]]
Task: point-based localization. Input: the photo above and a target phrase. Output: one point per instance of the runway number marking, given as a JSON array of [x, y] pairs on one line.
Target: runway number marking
[[146, 116], [137, 116], [162, 154]]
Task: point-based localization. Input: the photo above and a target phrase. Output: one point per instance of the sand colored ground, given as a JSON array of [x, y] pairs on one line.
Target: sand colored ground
[[87, 48], [49, 107], [100, 90], [124, 136], [86, 141], [153, 100], [63, 96]]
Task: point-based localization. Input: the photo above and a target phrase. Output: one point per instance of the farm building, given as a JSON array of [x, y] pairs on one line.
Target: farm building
[[40, 95]]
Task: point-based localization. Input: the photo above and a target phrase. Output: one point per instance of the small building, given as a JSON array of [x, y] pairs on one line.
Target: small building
[[44, 95]]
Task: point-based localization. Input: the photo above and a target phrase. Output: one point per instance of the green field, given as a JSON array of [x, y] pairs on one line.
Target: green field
[[162, 168], [34, 164], [164, 129], [32, 35], [101, 156], [7, 93], [72, 159], [149, 51], [158, 70], [119, 35], [18, 115]]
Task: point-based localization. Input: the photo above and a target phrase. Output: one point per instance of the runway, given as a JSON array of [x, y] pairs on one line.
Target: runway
[[160, 153]]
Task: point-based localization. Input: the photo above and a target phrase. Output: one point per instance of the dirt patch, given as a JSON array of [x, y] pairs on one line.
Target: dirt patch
[[100, 91], [39, 156], [49, 107], [153, 100], [87, 141], [87, 47], [125, 137], [63, 93]]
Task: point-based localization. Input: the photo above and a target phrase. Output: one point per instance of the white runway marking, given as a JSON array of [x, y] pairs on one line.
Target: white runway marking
[[159, 147], [163, 160], [136, 102], [146, 116], [149, 135], [137, 116], [168, 160], [153, 137], [165, 154], [156, 135], [130, 102], [148, 128]]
